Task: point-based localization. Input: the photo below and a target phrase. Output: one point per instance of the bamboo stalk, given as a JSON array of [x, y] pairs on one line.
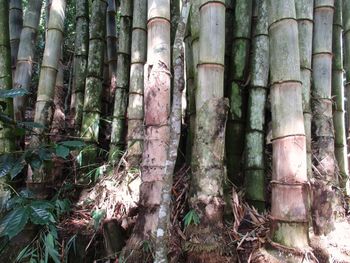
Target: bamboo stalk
[[304, 14], [80, 63], [208, 153], [322, 122], [117, 145], [6, 138], [16, 24], [49, 68], [156, 140], [163, 233], [237, 93], [94, 75], [338, 95], [25, 55], [254, 158], [135, 133], [289, 204]]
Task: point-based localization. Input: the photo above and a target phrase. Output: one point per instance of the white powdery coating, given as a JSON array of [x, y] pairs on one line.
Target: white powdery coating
[[160, 232]]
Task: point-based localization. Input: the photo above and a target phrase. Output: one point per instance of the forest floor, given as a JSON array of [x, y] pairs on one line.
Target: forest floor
[[116, 196]]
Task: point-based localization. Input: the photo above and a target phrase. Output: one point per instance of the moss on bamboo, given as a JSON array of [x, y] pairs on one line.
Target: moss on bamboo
[[254, 161], [117, 145], [79, 63], [237, 93], [16, 24]]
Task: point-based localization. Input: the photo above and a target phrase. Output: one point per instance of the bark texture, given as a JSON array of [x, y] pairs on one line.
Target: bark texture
[[290, 195], [254, 158]]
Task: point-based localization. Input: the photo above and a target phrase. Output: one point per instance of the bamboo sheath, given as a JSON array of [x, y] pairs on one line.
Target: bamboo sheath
[[122, 82], [289, 205], [16, 24], [25, 56], [338, 97], [49, 68], [254, 168], [135, 112], [80, 63], [93, 83]]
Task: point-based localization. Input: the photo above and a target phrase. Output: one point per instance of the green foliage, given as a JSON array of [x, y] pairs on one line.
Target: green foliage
[[11, 93], [98, 216], [191, 218]]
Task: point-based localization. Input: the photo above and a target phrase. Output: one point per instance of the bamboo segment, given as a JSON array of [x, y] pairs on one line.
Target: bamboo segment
[[254, 161], [304, 13], [157, 111], [49, 67], [322, 122], [135, 114], [16, 24], [80, 63], [289, 225], [338, 95], [94, 74], [237, 94], [122, 85], [25, 55]]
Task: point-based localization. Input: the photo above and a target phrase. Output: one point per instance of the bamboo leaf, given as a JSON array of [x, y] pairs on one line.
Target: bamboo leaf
[[50, 249]]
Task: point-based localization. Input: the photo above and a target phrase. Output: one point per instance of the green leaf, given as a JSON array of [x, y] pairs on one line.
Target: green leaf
[[14, 222], [73, 144], [50, 249], [30, 125], [45, 154], [62, 151], [11, 93], [191, 218], [98, 215], [41, 216], [16, 168]]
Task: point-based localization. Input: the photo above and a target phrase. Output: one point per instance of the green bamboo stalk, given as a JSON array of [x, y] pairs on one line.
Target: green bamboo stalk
[[16, 24], [157, 133], [49, 68], [304, 13], [135, 133], [80, 63], [254, 158], [237, 94], [6, 135], [229, 26], [289, 203], [322, 122], [25, 55], [94, 76], [338, 95], [163, 226], [209, 141], [117, 145]]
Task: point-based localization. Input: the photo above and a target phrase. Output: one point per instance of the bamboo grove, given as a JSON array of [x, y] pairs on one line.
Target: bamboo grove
[[210, 113]]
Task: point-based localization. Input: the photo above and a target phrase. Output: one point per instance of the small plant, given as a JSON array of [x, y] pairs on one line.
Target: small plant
[[191, 218]]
